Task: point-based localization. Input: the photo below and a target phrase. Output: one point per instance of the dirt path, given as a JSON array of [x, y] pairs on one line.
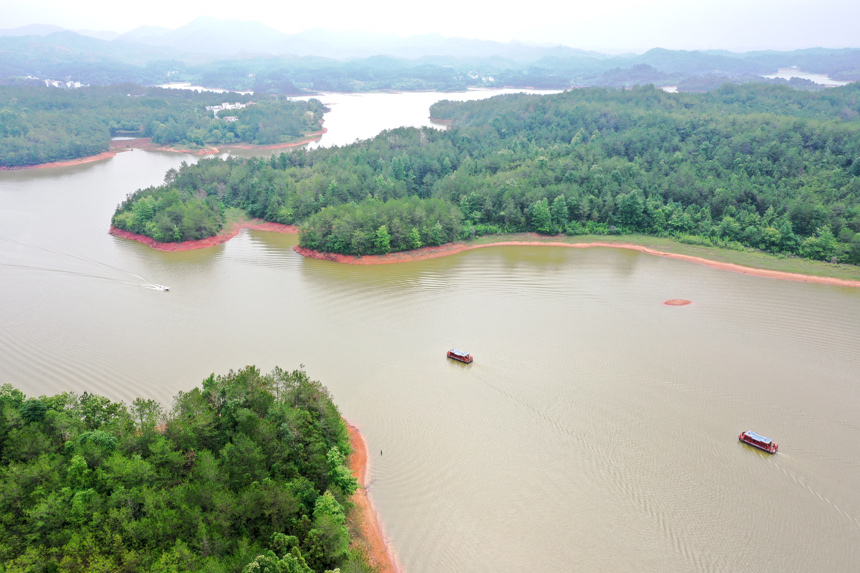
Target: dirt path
[[380, 554]]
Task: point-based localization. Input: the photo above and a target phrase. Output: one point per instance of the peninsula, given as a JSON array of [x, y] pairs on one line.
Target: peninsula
[[732, 175], [57, 127]]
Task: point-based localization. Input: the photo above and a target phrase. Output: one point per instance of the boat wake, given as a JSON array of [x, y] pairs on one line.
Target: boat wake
[[800, 481], [123, 276]]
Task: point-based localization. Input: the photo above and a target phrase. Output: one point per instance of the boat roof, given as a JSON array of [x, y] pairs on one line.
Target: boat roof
[[757, 437], [459, 352]]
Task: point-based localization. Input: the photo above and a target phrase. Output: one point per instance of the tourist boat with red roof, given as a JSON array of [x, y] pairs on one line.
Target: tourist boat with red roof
[[760, 442], [460, 355]]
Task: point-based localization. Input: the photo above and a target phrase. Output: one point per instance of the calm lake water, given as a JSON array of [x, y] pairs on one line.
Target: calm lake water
[[361, 116], [595, 431], [788, 73]]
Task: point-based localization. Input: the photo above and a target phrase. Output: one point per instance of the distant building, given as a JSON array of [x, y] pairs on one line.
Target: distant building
[[61, 84], [216, 108]]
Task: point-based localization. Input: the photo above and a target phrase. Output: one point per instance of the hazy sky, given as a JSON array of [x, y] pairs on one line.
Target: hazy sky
[[605, 25]]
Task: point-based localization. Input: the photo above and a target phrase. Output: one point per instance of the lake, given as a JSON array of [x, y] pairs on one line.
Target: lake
[[788, 73], [595, 431], [191, 87], [363, 115]]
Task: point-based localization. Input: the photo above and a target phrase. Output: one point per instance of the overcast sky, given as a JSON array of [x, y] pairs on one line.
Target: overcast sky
[[604, 25]]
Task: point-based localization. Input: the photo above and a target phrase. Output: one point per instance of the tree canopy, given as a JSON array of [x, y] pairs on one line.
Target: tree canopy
[[41, 124], [245, 473], [763, 167]]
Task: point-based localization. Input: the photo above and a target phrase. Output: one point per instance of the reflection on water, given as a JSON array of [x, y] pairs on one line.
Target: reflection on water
[[596, 429]]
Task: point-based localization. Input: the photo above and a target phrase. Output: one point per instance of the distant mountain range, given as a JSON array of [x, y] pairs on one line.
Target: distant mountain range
[[45, 29], [251, 55], [213, 36]]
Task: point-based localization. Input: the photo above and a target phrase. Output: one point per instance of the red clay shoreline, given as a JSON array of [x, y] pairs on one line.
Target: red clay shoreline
[[425, 253], [66, 163], [145, 143], [222, 237], [381, 555]]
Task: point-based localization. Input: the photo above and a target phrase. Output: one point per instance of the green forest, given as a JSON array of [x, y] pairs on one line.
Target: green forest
[[245, 473], [745, 166], [41, 124]]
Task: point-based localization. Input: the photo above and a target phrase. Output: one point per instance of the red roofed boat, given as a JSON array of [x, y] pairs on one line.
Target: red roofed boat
[[760, 442], [460, 355]]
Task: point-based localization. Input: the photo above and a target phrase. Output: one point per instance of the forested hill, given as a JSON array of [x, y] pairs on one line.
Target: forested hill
[[763, 167], [41, 124], [245, 473], [243, 55]]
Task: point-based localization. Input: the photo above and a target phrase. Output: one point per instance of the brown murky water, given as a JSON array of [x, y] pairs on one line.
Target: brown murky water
[[595, 431]]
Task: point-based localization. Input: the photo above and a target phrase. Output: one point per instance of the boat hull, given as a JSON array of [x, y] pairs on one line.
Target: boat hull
[[467, 359], [769, 447]]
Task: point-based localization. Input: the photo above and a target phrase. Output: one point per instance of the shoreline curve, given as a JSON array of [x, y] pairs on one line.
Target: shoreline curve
[[65, 163], [222, 237], [145, 143], [425, 253], [381, 555]]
